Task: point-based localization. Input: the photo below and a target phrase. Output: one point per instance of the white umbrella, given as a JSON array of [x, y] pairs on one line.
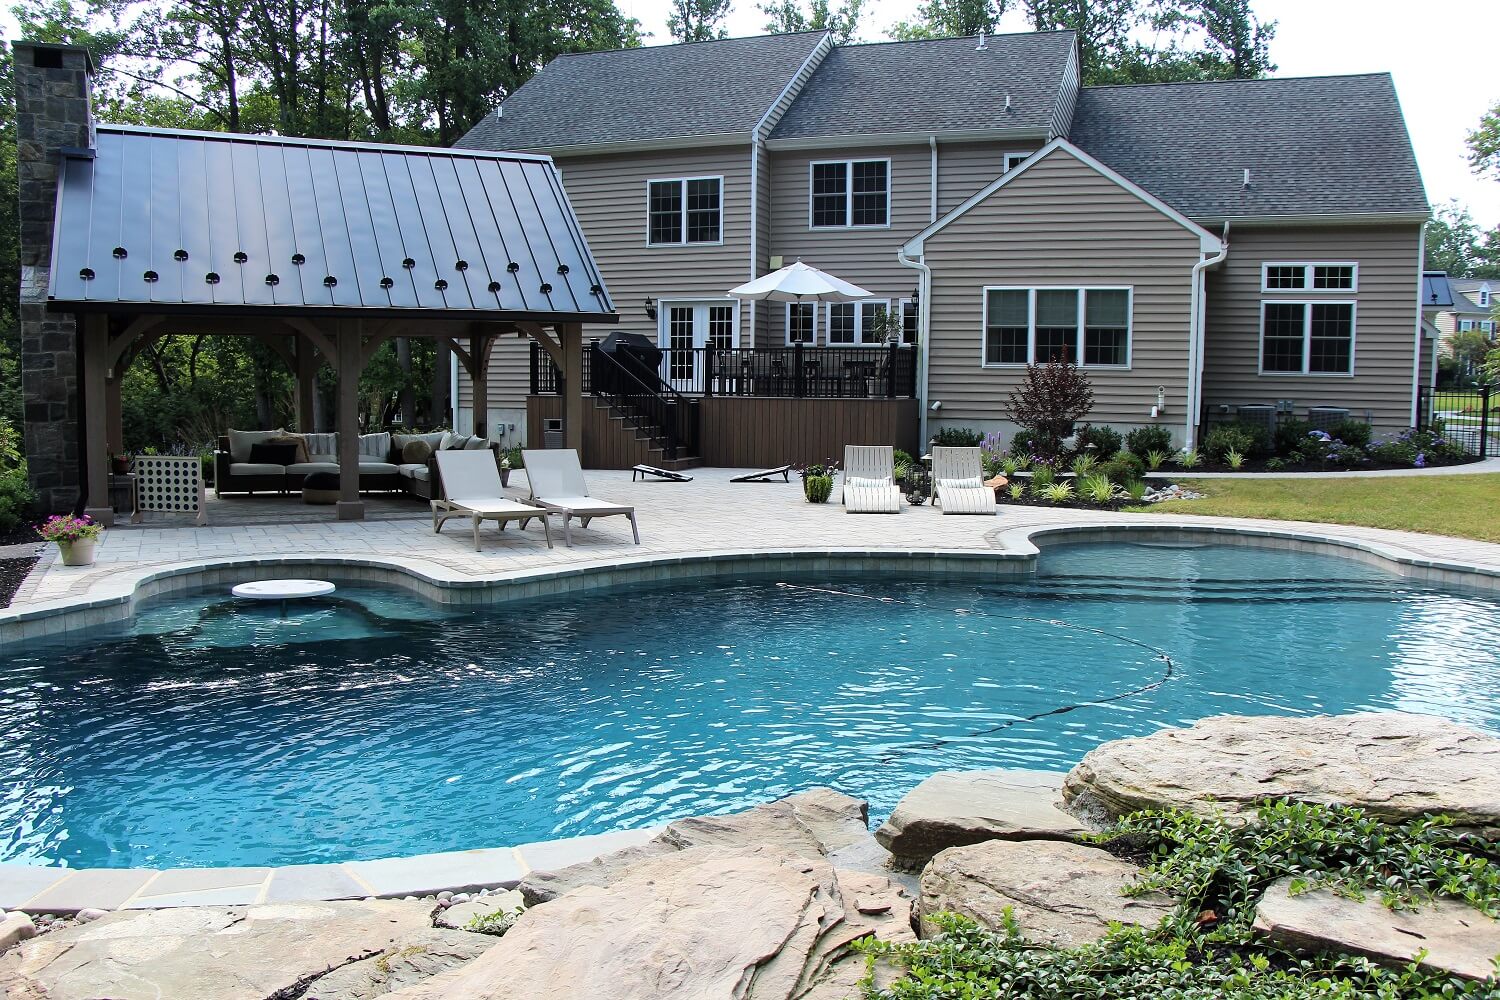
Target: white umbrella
[[799, 282]]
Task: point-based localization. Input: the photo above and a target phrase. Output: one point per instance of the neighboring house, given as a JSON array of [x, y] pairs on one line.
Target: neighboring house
[[1198, 247], [1474, 304]]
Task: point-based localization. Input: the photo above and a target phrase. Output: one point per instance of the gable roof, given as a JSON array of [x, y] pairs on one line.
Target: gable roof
[[1207, 241], [939, 84], [1466, 300], [207, 221], [693, 90], [1314, 146]]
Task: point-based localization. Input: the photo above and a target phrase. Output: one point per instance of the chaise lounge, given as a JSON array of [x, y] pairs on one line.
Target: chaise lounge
[[870, 480], [472, 489], [557, 484], [958, 481]]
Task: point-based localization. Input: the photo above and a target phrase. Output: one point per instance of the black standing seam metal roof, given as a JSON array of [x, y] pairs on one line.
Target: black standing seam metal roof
[[1331, 145], [1436, 292], [199, 221], [935, 84]]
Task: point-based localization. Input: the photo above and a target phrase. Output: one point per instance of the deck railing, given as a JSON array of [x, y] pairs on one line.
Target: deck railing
[[797, 372]]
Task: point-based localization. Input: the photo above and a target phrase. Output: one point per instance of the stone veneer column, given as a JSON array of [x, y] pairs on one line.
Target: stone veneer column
[[52, 85]]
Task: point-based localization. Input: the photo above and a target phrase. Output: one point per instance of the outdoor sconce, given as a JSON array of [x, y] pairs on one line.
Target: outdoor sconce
[[916, 294], [650, 308]]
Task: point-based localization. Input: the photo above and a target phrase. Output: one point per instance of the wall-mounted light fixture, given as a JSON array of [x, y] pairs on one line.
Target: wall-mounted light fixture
[[916, 294], [650, 308]]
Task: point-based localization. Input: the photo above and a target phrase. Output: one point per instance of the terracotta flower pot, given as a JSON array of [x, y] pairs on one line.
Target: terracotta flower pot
[[79, 552]]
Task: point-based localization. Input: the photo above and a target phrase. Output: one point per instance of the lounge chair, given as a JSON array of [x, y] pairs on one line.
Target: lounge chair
[[557, 485], [870, 480], [958, 482], [471, 488]]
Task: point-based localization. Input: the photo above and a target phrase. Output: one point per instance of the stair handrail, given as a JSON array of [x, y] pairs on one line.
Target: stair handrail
[[667, 409]]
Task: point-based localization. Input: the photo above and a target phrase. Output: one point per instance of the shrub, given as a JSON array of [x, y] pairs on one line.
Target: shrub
[[1097, 488], [1136, 491], [1016, 491], [817, 482], [958, 437], [1355, 433], [1156, 459], [1023, 444], [1235, 460], [16, 496], [1057, 492], [1246, 438], [1104, 439], [1084, 464], [1289, 436], [1126, 467], [1144, 440], [1417, 449], [513, 456], [1275, 464], [902, 458], [1041, 477], [1050, 398], [1189, 459]]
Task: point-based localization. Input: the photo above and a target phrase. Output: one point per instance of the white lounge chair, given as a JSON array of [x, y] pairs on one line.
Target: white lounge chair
[[870, 480], [471, 488], [557, 484], [958, 481]]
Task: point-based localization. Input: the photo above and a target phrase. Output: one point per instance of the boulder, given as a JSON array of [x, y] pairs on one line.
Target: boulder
[[413, 959], [224, 952], [811, 824], [15, 928], [704, 923], [1394, 765], [1456, 938], [1059, 893], [458, 916], [954, 808]]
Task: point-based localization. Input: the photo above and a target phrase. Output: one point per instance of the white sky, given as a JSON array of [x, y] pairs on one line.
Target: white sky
[[1444, 55]]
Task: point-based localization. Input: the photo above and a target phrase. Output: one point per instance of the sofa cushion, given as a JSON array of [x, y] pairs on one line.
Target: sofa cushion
[[256, 469], [240, 442], [419, 472], [312, 468], [321, 444], [376, 446], [273, 453], [434, 439], [370, 467]]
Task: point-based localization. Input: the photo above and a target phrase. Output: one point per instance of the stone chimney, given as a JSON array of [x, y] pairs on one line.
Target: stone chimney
[[53, 113]]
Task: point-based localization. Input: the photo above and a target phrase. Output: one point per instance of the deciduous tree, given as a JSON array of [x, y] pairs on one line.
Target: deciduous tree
[[698, 20], [789, 15]]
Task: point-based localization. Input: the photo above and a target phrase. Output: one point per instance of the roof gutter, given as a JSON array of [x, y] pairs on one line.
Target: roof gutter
[[906, 138], [1334, 219], [1196, 338], [924, 314]]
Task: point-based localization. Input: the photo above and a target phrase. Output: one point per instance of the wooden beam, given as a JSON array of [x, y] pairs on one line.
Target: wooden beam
[[136, 328], [96, 349], [539, 333], [325, 343]]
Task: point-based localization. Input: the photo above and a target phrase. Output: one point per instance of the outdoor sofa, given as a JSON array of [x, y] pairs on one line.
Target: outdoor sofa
[[240, 466]]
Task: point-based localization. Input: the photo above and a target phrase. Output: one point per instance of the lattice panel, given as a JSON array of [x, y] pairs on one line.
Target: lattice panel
[[170, 484]]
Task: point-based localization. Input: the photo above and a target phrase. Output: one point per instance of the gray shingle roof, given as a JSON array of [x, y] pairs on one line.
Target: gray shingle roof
[[201, 221], [657, 92], [1332, 145], [932, 85]]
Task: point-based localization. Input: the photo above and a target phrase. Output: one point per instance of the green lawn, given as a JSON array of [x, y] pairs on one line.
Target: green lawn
[[1466, 506]]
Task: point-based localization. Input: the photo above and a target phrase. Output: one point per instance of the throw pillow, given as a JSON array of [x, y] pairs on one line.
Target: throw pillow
[[376, 446], [476, 444], [267, 453], [416, 452], [452, 442], [240, 442], [972, 483], [295, 440], [858, 483], [323, 445]]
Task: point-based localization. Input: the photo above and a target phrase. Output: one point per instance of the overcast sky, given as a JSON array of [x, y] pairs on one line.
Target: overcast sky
[[1444, 55]]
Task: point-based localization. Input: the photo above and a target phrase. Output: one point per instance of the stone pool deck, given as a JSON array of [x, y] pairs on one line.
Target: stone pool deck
[[68, 890]]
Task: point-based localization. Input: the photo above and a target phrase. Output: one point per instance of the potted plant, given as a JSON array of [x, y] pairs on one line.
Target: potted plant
[[75, 537], [119, 464], [817, 483]]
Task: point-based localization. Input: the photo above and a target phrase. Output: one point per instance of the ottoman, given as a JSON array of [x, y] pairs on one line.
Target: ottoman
[[321, 487]]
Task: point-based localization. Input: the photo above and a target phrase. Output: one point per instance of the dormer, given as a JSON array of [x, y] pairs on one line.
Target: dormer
[[1482, 294]]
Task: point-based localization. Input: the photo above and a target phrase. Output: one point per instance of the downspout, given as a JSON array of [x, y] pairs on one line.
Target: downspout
[[1197, 309], [1416, 354], [754, 226], [932, 207], [924, 313]]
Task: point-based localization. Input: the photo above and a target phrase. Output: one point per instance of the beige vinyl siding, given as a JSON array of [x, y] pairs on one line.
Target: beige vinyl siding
[[1384, 325], [1067, 97], [965, 167], [510, 373], [1062, 224]]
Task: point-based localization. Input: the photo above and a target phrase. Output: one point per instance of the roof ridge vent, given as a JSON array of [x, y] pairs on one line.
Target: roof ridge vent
[[981, 47]]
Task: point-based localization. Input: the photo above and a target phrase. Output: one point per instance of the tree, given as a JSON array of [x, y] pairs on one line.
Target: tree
[[1050, 399], [698, 20], [1103, 28], [953, 19], [789, 16], [1457, 245], [1484, 144]]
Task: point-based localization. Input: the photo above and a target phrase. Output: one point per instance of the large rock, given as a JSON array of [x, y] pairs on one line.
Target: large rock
[[1059, 893], [810, 824], [458, 916], [15, 928], [411, 960], [1394, 765], [223, 952], [1456, 938], [954, 808], [704, 923]]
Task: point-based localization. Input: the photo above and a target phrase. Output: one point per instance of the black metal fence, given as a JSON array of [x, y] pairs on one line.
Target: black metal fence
[[1467, 416], [796, 372]]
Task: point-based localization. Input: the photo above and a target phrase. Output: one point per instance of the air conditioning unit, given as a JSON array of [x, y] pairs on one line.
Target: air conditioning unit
[[1261, 414], [1327, 417]]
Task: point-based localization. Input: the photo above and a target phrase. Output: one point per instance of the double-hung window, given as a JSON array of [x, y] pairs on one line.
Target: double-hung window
[[801, 323], [1309, 277], [1088, 326], [846, 194], [684, 211], [850, 323], [1307, 338]]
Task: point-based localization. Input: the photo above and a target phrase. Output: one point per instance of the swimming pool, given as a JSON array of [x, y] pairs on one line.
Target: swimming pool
[[206, 732]]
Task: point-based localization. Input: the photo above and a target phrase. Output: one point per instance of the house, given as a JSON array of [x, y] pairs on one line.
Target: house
[[1197, 247], [1474, 304]]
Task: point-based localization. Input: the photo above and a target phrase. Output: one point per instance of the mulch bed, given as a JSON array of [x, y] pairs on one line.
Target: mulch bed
[[12, 575], [1259, 465], [1006, 501]]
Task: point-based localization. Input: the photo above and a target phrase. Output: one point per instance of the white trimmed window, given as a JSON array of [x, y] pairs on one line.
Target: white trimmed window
[[1014, 160], [849, 194], [1482, 325], [850, 323], [1306, 338], [1484, 296], [1295, 276], [1090, 326], [684, 210], [801, 323]]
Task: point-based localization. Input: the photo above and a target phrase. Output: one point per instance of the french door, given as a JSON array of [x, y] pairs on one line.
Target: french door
[[684, 330]]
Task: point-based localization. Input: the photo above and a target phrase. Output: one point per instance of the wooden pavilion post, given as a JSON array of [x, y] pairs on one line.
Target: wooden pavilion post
[[307, 385], [350, 363], [481, 344], [95, 444], [571, 336]]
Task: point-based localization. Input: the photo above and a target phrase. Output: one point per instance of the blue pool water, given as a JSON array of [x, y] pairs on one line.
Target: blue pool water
[[209, 733]]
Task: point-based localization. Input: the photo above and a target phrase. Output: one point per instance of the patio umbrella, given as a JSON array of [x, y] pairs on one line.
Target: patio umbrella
[[799, 282]]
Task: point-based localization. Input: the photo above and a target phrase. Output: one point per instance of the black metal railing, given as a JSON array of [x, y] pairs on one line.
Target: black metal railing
[[1467, 416], [646, 403], [888, 372]]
